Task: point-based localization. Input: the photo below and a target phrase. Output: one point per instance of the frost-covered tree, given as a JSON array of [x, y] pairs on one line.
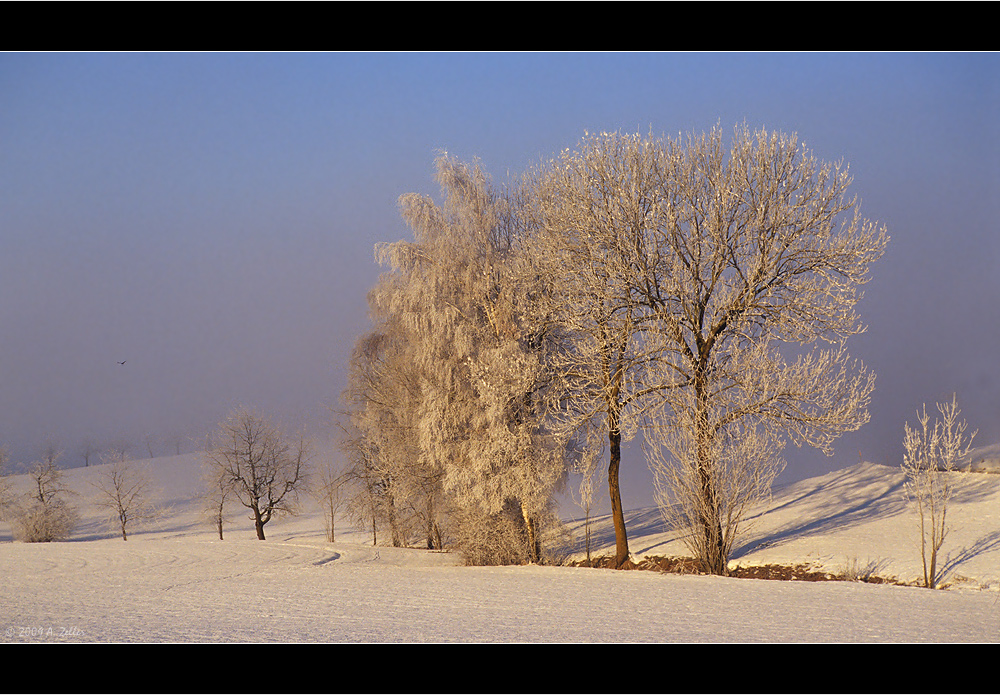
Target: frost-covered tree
[[44, 514], [462, 358], [760, 259], [258, 464], [125, 493], [593, 210], [710, 293], [393, 484], [215, 494], [931, 453]]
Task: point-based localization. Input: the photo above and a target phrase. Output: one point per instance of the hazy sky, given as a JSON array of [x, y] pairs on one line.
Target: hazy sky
[[210, 218]]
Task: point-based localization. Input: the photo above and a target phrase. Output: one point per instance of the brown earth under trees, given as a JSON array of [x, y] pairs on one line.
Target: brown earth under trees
[[682, 565]]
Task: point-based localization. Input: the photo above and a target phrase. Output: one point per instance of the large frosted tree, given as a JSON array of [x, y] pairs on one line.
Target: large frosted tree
[[761, 260], [456, 304], [593, 210], [711, 291]]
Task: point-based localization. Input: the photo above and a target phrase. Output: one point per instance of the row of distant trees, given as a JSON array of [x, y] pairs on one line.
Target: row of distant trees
[[46, 512], [697, 294], [249, 462]]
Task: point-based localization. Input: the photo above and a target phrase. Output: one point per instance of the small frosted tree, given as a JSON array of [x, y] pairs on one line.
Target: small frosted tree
[[44, 514], [931, 453], [125, 493]]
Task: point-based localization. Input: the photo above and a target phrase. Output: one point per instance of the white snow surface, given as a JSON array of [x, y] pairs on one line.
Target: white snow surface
[[175, 582]]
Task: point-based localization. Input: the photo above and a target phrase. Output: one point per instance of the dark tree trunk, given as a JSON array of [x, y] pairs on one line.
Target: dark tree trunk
[[258, 522], [617, 515]]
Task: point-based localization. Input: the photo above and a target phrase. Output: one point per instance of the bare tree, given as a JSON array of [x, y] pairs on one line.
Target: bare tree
[[5, 487], [44, 515], [88, 449], [329, 489], [259, 465], [586, 466], [216, 491], [149, 440], [125, 492], [931, 453]]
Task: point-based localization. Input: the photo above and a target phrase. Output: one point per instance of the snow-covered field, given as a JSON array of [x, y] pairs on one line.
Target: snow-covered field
[[176, 582]]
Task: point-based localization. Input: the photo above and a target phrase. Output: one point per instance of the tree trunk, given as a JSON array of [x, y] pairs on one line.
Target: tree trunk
[[430, 522], [258, 522], [536, 542], [621, 538], [531, 531], [332, 534], [219, 522], [714, 543]]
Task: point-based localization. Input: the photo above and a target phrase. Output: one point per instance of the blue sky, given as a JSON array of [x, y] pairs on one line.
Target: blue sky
[[210, 218]]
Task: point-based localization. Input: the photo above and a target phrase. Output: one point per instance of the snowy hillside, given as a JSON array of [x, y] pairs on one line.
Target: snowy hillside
[[176, 582]]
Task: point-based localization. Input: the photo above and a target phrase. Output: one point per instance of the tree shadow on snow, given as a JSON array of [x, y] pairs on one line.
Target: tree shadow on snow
[[991, 541], [640, 525], [848, 499], [853, 497]]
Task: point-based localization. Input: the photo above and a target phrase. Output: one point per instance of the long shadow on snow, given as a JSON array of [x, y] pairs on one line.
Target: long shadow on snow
[[851, 498], [639, 523], [985, 544], [845, 500]]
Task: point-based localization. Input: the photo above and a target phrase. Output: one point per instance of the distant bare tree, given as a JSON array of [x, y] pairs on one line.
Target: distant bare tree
[[51, 453], [931, 453], [261, 468], [5, 495], [118, 449], [216, 492], [174, 440], [88, 449], [125, 492], [330, 488], [149, 440]]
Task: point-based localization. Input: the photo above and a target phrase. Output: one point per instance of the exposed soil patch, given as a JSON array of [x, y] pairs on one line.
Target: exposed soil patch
[[686, 565]]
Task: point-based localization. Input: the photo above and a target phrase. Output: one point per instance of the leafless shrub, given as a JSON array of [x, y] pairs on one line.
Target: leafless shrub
[[931, 452]]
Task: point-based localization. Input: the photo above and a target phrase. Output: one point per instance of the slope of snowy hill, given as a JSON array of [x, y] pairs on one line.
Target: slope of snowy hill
[[176, 582]]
